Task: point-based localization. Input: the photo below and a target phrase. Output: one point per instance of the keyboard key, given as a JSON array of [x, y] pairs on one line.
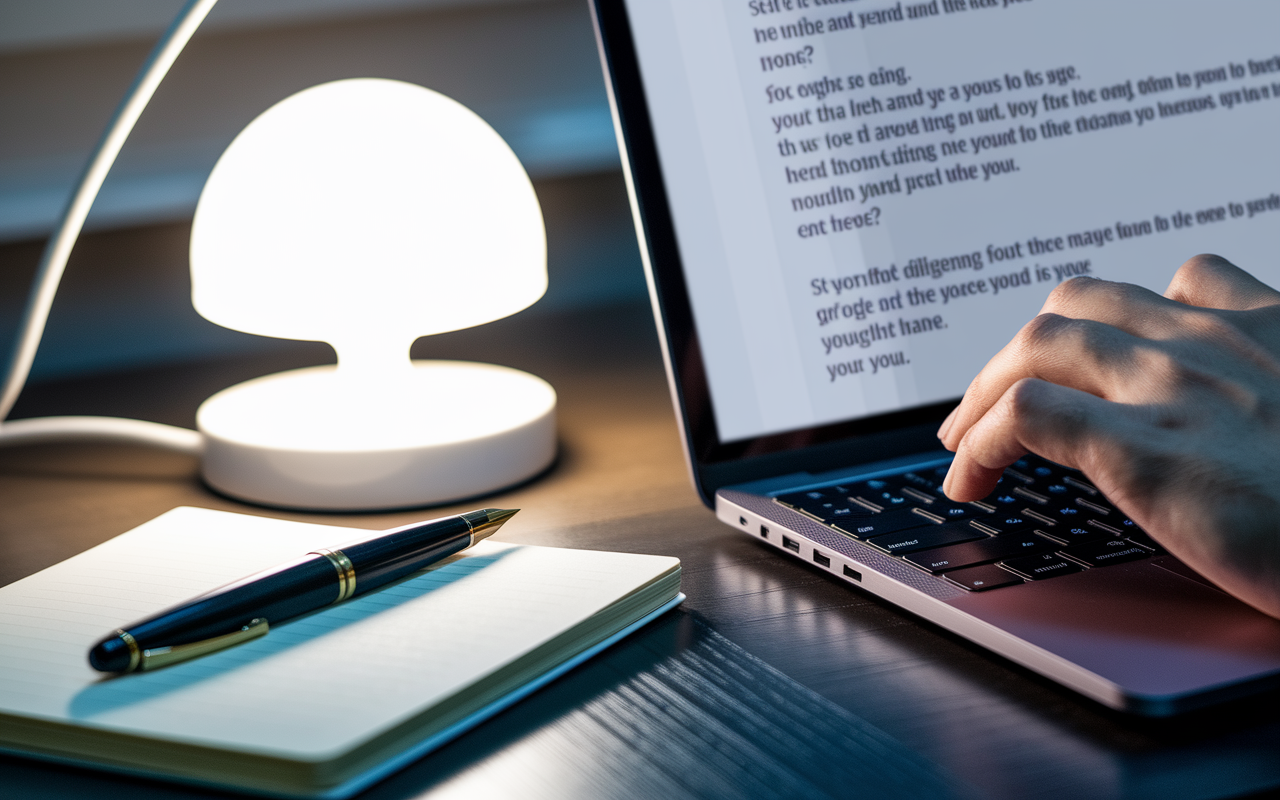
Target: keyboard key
[[1018, 476], [982, 551], [1067, 514], [1108, 551], [1073, 534], [952, 512], [839, 512], [877, 485], [927, 514], [882, 501], [1034, 497], [880, 524], [1093, 508], [1103, 527], [1043, 472], [1037, 517], [1057, 489], [922, 483], [1004, 523], [801, 499], [1040, 567], [1087, 488], [919, 496], [980, 579], [1002, 499], [829, 511], [925, 538], [891, 500]]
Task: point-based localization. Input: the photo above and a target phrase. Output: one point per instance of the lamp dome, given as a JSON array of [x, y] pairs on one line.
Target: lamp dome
[[368, 212]]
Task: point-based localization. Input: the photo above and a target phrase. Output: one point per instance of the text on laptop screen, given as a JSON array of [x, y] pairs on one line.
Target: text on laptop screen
[[871, 198]]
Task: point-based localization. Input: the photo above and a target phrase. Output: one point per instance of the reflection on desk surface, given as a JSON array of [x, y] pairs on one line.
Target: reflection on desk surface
[[620, 484]]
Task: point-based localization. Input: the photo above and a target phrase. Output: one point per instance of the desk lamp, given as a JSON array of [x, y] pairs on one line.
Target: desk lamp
[[365, 213]]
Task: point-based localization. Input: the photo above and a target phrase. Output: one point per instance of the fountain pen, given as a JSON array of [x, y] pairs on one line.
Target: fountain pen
[[245, 609]]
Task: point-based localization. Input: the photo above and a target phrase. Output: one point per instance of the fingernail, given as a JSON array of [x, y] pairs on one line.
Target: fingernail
[[947, 423]]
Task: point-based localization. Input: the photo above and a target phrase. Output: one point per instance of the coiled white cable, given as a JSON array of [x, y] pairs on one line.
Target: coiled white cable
[[53, 264]]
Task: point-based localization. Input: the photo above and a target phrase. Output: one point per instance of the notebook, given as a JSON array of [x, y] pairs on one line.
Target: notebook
[[324, 705], [846, 208]]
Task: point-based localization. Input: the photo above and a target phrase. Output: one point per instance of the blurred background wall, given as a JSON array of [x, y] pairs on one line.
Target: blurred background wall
[[529, 67]]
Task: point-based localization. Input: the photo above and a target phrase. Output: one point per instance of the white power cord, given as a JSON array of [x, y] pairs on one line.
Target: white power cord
[[54, 262]]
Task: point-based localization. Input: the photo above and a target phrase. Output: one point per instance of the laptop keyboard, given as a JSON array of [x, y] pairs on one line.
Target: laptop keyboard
[[1043, 520]]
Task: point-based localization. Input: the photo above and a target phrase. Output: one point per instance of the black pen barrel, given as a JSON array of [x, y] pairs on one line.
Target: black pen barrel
[[292, 589], [289, 590], [380, 561]]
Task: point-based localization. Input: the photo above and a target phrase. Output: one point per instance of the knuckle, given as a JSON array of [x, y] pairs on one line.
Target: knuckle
[[1193, 275], [1025, 398], [1034, 404], [1201, 266], [1066, 293], [1086, 296], [1055, 336], [1042, 331]]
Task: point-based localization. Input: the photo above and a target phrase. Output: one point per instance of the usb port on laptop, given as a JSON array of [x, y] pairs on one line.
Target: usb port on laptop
[[821, 560], [790, 544]]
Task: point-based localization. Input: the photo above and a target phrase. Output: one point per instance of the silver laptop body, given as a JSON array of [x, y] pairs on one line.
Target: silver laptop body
[[846, 206]]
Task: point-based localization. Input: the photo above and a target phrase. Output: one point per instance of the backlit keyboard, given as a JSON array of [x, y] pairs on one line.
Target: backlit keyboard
[[1043, 520]]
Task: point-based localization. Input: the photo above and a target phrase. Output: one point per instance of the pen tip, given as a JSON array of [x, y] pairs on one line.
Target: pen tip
[[494, 517]]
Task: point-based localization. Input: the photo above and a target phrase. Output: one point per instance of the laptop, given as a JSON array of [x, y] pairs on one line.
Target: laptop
[[846, 207]]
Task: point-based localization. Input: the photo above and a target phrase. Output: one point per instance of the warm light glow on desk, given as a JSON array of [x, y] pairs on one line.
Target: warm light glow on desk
[[367, 213]]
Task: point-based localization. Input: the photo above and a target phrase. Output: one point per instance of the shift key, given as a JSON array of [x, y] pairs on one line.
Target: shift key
[[913, 541]]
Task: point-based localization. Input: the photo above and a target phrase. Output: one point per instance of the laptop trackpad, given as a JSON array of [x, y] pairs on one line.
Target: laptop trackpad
[[1146, 629]]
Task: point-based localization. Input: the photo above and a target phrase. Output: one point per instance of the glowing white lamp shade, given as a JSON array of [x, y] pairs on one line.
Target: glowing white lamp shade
[[367, 213]]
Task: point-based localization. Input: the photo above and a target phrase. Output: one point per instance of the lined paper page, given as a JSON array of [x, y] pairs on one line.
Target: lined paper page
[[312, 688]]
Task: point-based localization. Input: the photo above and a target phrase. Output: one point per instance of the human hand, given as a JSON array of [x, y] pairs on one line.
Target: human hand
[[1170, 405]]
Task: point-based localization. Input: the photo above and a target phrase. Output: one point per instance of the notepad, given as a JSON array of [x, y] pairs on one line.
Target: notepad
[[323, 705]]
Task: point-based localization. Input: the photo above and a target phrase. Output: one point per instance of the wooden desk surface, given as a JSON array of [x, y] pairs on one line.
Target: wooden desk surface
[[773, 680]]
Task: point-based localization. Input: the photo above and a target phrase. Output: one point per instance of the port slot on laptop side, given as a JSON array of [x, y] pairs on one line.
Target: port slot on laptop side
[[790, 544], [821, 560]]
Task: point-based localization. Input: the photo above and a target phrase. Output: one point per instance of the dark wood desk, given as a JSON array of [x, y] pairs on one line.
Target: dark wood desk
[[773, 680]]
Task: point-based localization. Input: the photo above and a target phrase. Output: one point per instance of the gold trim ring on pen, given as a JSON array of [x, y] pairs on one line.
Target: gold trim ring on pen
[[135, 655], [346, 572]]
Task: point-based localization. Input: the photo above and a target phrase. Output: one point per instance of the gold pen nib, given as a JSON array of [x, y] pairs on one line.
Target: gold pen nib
[[486, 521]]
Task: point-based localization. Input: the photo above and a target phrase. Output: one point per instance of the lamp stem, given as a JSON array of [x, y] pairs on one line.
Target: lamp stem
[[375, 362]]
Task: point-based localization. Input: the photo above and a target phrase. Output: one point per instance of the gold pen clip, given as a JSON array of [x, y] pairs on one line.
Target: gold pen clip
[[156, 657]]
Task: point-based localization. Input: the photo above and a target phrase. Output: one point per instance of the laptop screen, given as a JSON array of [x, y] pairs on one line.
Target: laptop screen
[[869, 199]]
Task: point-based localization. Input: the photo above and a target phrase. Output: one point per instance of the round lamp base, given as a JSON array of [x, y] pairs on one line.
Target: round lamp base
[[312, 439]]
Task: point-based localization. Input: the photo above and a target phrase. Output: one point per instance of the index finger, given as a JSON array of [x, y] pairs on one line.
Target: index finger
[[1067, 426]]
